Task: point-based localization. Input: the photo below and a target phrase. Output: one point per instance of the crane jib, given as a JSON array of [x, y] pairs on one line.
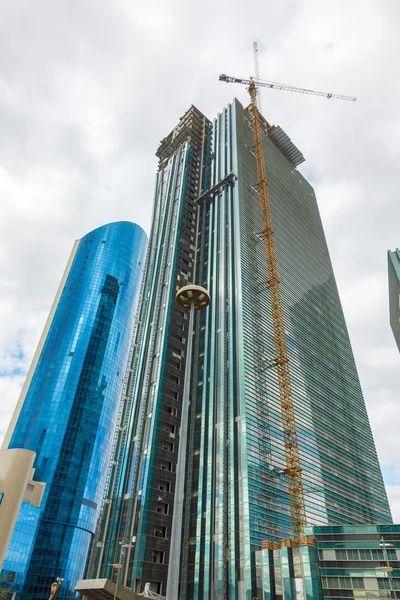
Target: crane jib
[[284, 87]]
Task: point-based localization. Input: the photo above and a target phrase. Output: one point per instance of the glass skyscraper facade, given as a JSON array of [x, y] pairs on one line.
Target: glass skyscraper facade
[[394, 293], [206, 230], [69, 405], [139, 499]]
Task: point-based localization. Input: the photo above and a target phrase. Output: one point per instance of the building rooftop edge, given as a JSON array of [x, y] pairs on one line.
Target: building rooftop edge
[[184, 129], [111, 223]]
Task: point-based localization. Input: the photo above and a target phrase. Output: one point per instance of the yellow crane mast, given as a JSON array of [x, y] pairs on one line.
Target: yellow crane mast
[[293, 469], [281, 361]]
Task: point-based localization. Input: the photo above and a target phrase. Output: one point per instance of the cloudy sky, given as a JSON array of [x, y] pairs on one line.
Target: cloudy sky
[[88, 89]]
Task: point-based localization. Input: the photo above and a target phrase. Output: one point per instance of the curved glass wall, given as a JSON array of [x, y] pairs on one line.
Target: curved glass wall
[[70, 409]]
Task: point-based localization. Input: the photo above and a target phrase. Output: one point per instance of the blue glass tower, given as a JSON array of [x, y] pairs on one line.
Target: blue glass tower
[[68, 407]]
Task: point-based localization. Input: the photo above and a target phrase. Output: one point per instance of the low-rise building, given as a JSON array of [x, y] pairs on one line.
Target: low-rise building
[[349, 561]]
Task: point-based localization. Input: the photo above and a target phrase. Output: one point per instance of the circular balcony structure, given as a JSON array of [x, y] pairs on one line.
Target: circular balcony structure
[[193, 295]]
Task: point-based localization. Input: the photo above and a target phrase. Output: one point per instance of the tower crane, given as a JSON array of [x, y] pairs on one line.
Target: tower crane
[[281, 361]]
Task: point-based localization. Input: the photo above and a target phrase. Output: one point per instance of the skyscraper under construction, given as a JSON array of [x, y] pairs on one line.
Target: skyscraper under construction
[[206, 230]]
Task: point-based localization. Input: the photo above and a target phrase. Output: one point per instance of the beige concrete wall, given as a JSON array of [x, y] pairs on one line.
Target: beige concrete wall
[[39, 349], [15, 473], [34, 491]]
